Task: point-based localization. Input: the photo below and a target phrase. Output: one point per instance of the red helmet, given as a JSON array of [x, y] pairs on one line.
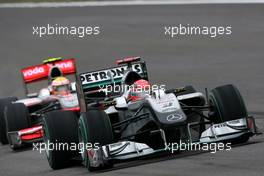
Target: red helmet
[[139, 90]]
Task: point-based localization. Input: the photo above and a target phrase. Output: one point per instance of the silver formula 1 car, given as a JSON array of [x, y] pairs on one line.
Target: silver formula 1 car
[[116, 128], [21, 120]]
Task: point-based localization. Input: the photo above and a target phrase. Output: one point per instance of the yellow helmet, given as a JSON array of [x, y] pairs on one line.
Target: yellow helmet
[[60, 86], [60, 81]]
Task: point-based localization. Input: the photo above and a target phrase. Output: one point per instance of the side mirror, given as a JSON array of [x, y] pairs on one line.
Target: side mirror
[[32, 95], [73, 86], [121, 103], [44, 93]]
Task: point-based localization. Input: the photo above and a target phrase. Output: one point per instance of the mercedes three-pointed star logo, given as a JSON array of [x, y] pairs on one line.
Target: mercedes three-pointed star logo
[[174, 117]]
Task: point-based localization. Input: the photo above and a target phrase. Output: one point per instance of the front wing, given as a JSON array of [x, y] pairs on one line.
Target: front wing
[[215, 133], [28, 135]]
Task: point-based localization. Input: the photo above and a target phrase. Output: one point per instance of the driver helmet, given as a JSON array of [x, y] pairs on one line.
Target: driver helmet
[[139, 90], [60, 86]]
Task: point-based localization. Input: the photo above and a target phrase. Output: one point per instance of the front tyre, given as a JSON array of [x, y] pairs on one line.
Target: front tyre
[[60, 133], [95, 130], [228, 105], [3, 103], [16, 118]]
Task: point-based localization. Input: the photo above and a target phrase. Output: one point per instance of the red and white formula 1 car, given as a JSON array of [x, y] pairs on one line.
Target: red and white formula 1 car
[[21, 120]]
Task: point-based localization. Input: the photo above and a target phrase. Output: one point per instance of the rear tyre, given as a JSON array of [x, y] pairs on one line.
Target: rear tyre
[[60, 132], [16, 118], [95, 129], [3, 103], [228, 105]]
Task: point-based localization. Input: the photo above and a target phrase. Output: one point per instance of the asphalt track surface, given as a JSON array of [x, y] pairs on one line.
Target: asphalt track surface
[[138, 31]]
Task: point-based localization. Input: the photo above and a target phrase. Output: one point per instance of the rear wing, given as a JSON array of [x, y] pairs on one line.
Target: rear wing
[[34, 75], [89, 84]]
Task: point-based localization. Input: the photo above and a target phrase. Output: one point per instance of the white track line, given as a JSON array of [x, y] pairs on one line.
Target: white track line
[[124, 3]]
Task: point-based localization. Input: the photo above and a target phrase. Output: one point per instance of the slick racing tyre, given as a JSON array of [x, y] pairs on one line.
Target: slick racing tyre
[[228, 105], [95, 129], [3, 103], [17, 118], [60, 133]]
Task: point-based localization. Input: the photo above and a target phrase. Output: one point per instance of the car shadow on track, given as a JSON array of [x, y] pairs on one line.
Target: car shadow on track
[[22, 149]]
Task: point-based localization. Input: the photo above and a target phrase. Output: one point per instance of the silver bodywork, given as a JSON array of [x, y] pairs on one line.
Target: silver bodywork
[[168, 106]]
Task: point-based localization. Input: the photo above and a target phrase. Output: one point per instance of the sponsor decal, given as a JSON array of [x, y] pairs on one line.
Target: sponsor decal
[[42, 71], [35, 72], [169, 109], [221, 125], [166, 105], [103, 75], [66, 66]]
